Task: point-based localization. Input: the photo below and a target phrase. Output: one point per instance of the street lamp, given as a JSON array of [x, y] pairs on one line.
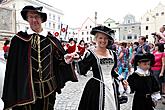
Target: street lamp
[[95, 18]]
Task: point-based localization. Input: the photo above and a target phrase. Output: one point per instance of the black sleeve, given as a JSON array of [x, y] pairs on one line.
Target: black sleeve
[[86, 63], [114, 74], [132, 82]]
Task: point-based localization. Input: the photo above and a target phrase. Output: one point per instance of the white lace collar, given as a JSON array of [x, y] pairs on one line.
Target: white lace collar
[[142, 72], [43, 33]]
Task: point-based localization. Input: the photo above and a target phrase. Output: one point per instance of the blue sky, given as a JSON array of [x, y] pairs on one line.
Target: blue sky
[[76, 11]]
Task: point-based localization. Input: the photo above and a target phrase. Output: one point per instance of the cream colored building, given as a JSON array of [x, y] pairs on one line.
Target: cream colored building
[[73, 33], [7, 23], [130, 29], [114, 26], [54, 15], [152, 20], [84, 31]]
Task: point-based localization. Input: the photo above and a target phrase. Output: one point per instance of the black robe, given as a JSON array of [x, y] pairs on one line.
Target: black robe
[[143, 87], [18, 85]]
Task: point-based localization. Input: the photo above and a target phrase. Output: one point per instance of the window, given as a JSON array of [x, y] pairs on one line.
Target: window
[[53, 17], [87, 38], [133, 26], [59, 26], [146, 36], [125, 28], [82, 33], [123, 37], [109, 24], [49, 15], [162, 13], [87, 32], [53, 25], [14, 5], [146, 27], [135, 37], [129, 21], [147, 19], [59, 19], [157, 14], [90, 38], [85, 27], [49, 24], [90, 26], [129, 37]]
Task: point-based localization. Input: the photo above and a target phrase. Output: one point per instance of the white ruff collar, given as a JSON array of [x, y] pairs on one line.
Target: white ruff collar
[[43, 33], [142, 72]]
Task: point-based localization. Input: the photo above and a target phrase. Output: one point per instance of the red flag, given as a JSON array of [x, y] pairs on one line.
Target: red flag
[[64, 29]]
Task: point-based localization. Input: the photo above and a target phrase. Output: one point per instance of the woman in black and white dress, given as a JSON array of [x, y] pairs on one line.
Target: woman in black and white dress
[[100, 91]]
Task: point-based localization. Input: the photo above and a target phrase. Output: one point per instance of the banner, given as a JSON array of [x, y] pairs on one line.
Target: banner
[[64, 29]]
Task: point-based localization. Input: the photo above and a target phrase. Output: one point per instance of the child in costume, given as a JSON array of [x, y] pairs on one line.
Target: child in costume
[[143, 84]]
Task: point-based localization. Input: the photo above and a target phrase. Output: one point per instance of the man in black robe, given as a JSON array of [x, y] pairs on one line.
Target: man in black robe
[[35, 66]]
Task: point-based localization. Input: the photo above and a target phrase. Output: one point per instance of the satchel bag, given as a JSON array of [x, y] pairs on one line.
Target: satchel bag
[[123, 98]]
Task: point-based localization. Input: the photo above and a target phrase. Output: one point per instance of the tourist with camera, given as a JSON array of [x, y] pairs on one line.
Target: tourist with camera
[[160, 36]]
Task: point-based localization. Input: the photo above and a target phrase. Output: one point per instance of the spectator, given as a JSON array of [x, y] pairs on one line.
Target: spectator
[[123, 60], [159, 64], [143, 47], [160, 36], [71, 47], [6, 48], [81, 47], [159, 68], [134, 50], [151, 47]]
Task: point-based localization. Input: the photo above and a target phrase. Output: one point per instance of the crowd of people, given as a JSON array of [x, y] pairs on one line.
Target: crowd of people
[[39, 65]]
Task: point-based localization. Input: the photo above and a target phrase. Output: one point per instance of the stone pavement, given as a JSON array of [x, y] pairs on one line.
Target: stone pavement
[[71, 94]]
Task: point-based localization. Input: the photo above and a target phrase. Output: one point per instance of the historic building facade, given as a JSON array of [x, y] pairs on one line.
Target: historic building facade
[[54, 16], [129, 30], [114, 26], [7, 22], [84, 31], [152, 20]]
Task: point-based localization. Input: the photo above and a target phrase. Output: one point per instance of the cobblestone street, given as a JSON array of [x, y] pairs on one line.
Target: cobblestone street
[[71, 94]]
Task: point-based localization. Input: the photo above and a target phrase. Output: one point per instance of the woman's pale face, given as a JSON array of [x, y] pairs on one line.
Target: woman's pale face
[[101, 40]]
